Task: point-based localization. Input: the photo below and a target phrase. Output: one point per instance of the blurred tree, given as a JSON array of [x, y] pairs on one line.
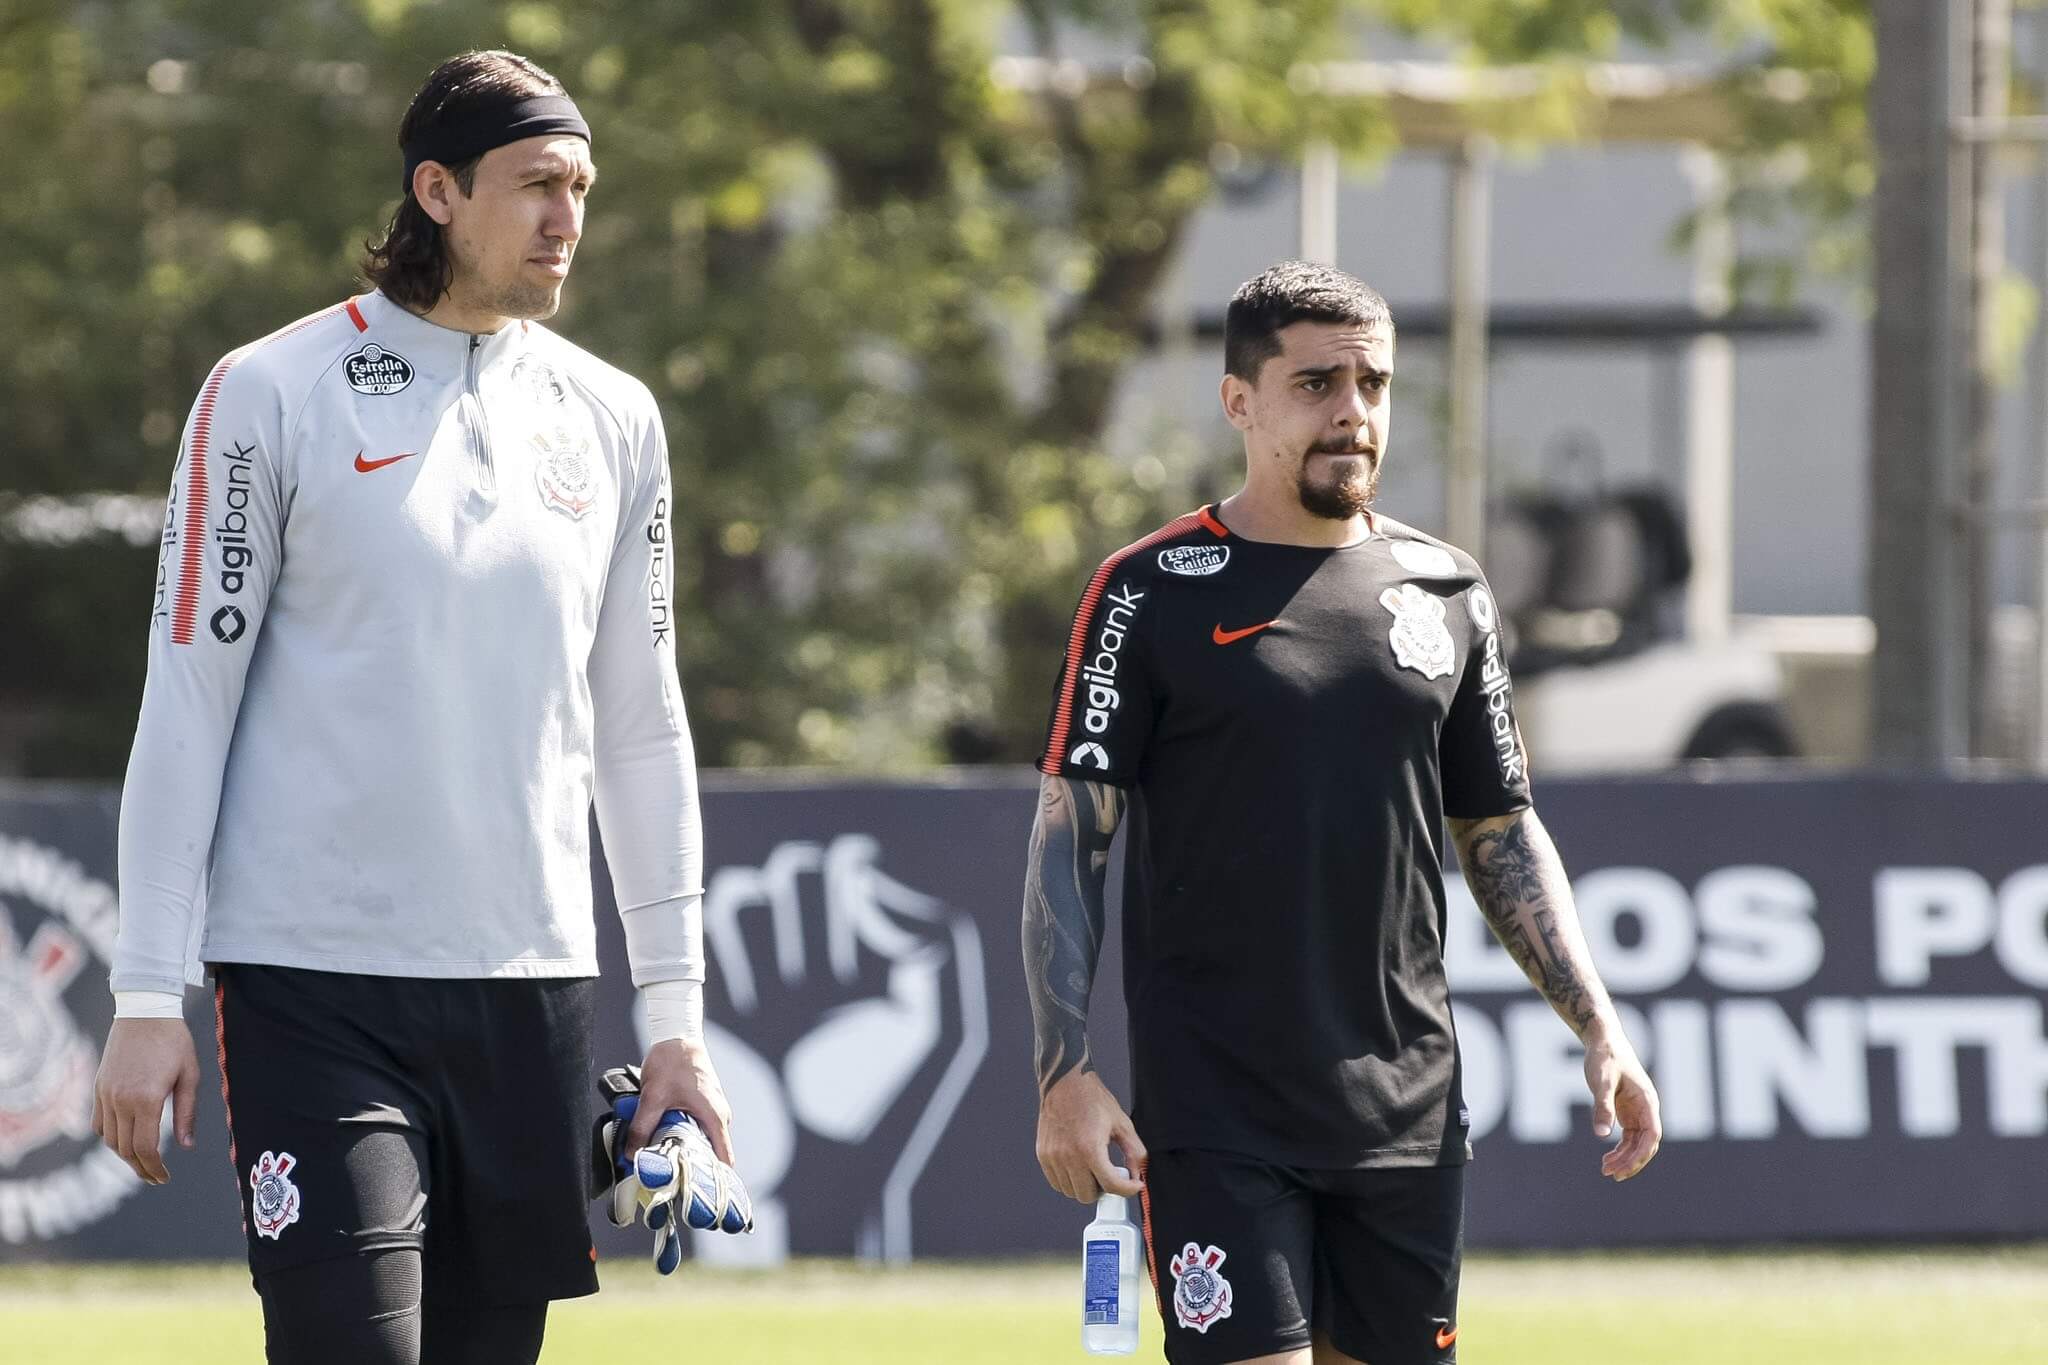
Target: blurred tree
[[884, 299]]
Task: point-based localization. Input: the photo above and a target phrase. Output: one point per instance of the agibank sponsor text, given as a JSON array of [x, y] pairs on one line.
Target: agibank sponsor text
[[1099, 669], [231, 530]]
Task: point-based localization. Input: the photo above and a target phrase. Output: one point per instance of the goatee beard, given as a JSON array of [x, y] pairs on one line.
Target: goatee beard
[[1348, 497]]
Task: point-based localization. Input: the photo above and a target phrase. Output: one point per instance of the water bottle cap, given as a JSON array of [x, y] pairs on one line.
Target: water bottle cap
[[1112, 1205]]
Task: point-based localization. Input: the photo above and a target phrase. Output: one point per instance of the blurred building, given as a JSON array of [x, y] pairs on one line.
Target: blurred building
[[1595, 228]]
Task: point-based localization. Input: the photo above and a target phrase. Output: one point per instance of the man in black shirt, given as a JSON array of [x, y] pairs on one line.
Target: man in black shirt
[[1293, 693]]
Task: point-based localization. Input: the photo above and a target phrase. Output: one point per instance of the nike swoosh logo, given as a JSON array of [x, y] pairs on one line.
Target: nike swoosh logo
[[364, 466], [1226, 637], [1445, 1336]]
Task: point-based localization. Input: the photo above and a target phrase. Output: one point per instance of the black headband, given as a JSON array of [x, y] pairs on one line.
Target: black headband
[[494, 126]]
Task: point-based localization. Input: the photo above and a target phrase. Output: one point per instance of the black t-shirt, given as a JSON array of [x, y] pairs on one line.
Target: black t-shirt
[[1294, 724]]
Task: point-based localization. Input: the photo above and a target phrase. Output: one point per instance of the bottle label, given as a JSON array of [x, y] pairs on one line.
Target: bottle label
[[1099, 1287]]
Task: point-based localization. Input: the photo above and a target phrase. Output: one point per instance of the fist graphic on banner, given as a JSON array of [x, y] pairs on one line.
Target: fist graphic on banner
[[848, 1013]]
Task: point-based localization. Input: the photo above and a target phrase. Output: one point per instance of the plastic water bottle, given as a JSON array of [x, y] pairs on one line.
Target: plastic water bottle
[[1109, 1280]]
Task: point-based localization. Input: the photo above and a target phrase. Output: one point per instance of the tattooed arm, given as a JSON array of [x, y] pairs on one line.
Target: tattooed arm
[[1520, 885], [1064, 914], [1063, 917], [1519, 882]]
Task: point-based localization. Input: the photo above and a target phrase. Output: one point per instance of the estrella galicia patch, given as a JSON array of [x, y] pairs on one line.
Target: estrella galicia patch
[[374, 370], [1194, 561]]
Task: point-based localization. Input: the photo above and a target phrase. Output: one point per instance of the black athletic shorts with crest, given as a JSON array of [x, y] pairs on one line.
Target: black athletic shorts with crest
[[1250, 1258], [370, 1113]]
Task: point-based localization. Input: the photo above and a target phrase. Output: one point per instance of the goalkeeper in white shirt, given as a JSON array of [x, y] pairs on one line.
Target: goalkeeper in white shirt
[[412, 619]]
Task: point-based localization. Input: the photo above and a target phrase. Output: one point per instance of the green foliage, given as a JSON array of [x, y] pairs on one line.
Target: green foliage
[[885, 299], [1806, 163]]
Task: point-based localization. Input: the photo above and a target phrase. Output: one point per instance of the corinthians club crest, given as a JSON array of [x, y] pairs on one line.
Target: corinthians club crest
[[1420, 639], [1201, 1296], [46, 1064], [565, 473], [56, 924], [274, 1199]]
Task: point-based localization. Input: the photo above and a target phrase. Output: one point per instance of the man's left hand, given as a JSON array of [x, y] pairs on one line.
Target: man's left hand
[[1622, 1094], [679, 1075]]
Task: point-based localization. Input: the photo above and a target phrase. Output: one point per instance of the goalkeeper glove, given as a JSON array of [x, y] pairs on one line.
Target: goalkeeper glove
[[674, 1181]]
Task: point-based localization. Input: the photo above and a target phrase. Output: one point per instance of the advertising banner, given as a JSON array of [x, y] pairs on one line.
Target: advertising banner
[[1838, 985]]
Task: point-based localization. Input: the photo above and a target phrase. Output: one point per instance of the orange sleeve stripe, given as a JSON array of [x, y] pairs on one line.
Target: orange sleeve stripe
[[220, 1052], [220, 1044], [1077, 641], [192, 542], [192, 538]]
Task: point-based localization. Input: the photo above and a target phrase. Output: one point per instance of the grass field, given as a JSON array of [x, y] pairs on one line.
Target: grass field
[[1947, 1307]]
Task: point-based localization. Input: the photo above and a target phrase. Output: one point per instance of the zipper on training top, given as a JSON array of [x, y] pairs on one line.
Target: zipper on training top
[[486, 472]]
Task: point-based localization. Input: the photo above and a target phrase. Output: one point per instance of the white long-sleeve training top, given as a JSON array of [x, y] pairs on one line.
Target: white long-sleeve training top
[[412, 615]]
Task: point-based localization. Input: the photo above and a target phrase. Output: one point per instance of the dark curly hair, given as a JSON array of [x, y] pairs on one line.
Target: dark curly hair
[[1290, 292], [411, 263]]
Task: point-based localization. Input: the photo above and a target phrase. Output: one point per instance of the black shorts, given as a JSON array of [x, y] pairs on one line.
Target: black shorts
[[378, 1112], [1249, 1258]]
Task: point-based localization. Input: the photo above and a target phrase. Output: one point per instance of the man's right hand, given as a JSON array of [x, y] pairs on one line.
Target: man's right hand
[[1077, 1119], [146, 1062]]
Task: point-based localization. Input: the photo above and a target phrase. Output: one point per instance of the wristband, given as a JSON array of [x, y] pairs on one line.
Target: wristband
[[148, 1005], [675, 1010]]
